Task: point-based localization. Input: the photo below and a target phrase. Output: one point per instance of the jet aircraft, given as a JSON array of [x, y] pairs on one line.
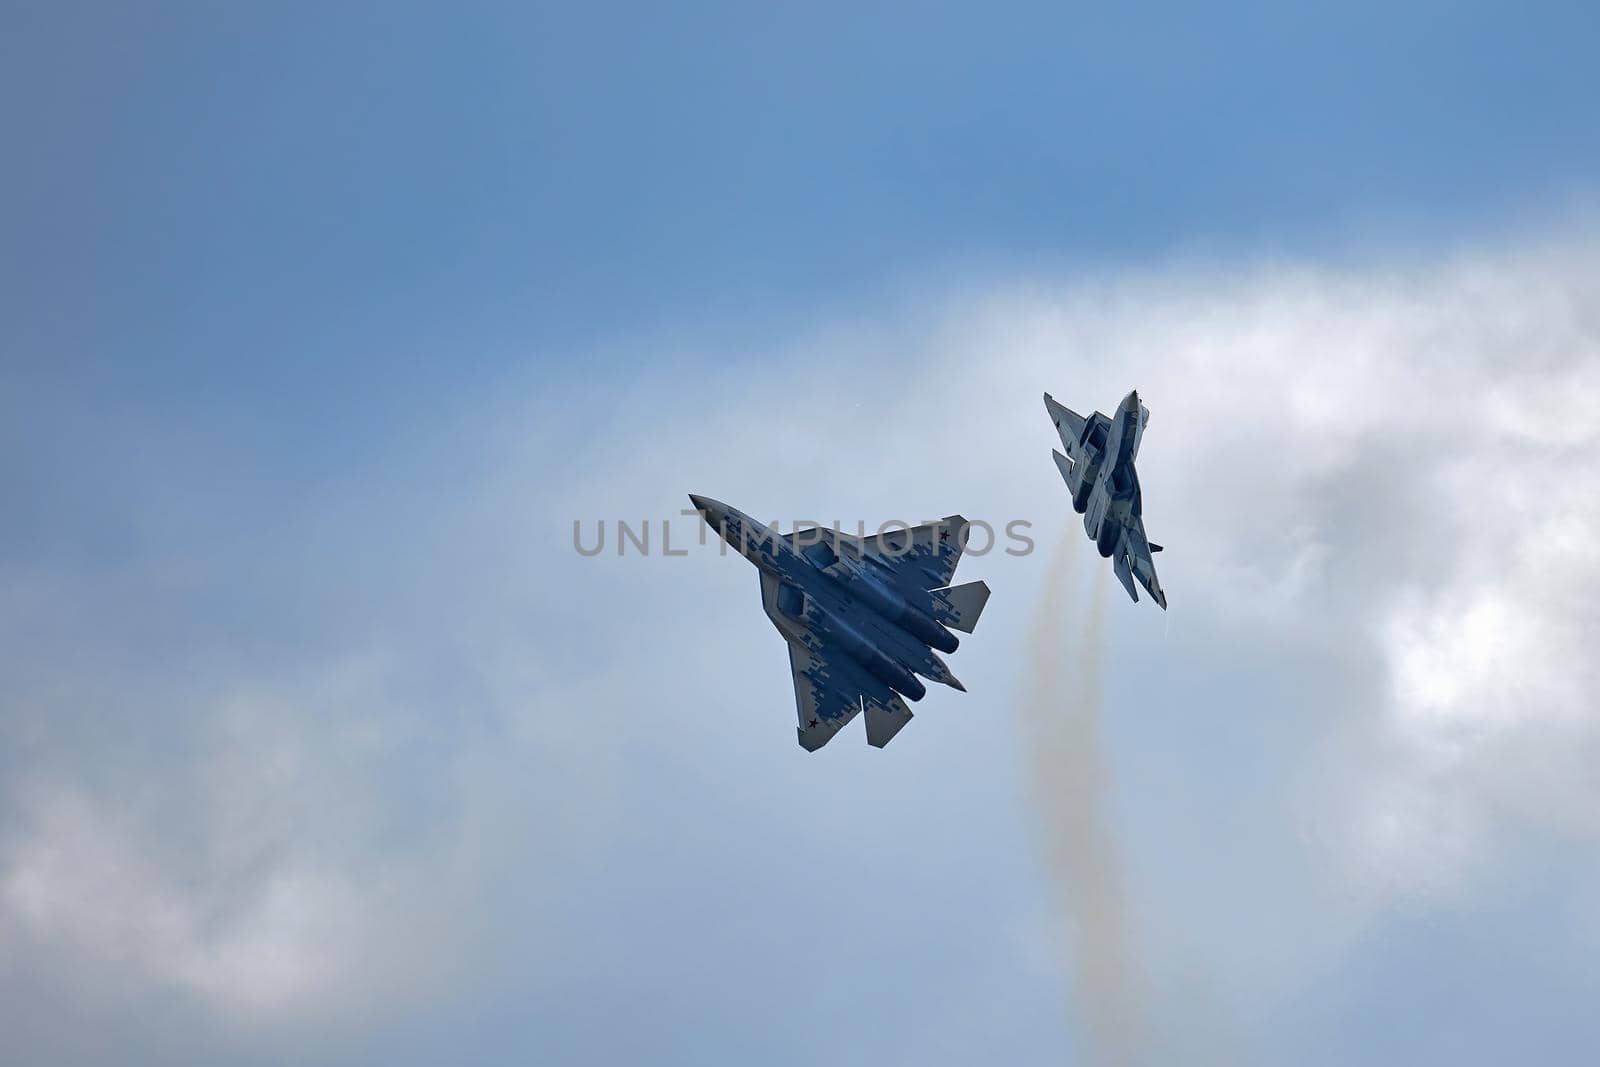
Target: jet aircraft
[[862, 615], [1098, 469]]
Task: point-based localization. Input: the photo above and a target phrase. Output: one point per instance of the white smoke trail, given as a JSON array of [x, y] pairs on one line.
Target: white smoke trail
[[1070, 794]]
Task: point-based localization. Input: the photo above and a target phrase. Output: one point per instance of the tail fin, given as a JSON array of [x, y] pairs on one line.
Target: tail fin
[[885, 720], [1123, 573], [966, 604], [1064, 465], [1133, 561]]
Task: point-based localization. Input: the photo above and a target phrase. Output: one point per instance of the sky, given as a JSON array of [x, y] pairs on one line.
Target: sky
[[320, 743]]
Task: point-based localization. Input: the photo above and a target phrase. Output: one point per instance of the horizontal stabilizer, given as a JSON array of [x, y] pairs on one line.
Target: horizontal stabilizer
[[1154, 547], [1064, 465], [885, 720], [966, 604], [1125, 574], [1133, 562]]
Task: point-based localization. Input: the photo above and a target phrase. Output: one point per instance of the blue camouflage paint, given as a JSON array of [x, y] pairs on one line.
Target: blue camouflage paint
[[862, 615], [1099, 471]]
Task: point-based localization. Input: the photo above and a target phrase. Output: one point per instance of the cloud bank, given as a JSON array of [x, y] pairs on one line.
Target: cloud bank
[[301, 781]]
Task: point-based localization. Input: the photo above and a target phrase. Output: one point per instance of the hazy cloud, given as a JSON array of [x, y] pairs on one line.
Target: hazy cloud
[[440, 739]]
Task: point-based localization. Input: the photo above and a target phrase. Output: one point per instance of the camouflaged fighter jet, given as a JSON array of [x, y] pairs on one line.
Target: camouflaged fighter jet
[[1098, 468], [862, 615]]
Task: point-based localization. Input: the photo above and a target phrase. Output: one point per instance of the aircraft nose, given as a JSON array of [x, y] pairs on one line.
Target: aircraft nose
[[1131, 401], [709, 509]]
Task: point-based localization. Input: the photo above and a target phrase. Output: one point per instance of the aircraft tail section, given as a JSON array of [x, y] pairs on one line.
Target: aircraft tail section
[[1133, 562], [1125, 575], [965, 605], [1065, 465], [884, 719]]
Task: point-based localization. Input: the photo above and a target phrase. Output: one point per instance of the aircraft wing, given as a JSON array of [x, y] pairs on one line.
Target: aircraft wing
[[919, 564], [827, 694], [1069, 424], [921, 558]]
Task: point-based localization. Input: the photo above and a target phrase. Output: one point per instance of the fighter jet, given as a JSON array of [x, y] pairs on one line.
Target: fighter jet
[[861, 615], [1098, 468]]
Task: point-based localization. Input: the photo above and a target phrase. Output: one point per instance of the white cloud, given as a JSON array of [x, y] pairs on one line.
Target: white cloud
[[1407, 465], [259, 872], [1386, 478]]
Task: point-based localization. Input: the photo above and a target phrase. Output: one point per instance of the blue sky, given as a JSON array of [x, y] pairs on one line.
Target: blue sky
[[320, 327], [320, 184]]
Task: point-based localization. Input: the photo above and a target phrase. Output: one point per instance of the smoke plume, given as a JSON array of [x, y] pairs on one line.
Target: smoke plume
[[1070, 792]]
